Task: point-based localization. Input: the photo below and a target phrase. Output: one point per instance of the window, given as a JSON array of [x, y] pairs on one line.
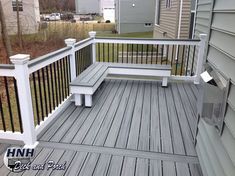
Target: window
[[20, 5], [168, 3], [157, 15]]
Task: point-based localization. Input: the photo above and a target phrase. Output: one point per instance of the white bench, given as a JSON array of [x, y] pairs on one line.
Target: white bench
[[90, 79]]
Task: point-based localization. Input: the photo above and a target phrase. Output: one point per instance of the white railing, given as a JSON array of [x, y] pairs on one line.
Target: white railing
[[23, 68]]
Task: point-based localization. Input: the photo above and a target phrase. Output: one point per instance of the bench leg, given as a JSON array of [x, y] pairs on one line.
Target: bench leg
[[164, 81], [88, 100], [78, 99]]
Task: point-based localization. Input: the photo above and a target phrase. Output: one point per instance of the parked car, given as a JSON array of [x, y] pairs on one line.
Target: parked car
[[53, 17], [67, 16]]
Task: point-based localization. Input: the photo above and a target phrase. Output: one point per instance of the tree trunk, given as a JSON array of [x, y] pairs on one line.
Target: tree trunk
[[19, 32], [5, 37]]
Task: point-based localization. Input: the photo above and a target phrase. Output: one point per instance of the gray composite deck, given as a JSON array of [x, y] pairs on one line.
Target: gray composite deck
[[133, 128]]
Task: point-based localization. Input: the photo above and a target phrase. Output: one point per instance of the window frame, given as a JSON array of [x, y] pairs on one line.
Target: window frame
[[14, 5]]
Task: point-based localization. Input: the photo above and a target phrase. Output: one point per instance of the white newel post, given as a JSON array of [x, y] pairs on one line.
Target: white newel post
[[23, 85], [92, 34], [71, 42], [200, 60]]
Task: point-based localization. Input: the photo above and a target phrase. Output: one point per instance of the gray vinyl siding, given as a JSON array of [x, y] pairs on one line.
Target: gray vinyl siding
[[217, 153], [169, 19], [87, 6], [133, 19], [185, 20]]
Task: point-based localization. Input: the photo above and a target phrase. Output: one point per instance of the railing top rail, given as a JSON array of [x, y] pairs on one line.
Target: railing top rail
[[7, 70], [82, 42], [147, 41], [144, 39], [7, 66], [47, 56]]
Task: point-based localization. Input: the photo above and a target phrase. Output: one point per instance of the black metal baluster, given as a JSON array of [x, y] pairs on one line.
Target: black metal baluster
[[147, 52], [40, 94], [2, 115], [117, 52], [152, 54], [52, 86], [18, 105], [142, 53], [36, 99], [66, 76], [48, 89], [62, 79], [55, 80], [65, 80], [99, 51], [113, 51], [137, 53], [122, 51], [108, 53], [186, 73], [177, 61], [182, 58], [127, 54], [167, 54], [162, 52], [157, 54], [172, 54], [76, 62], [194, 48], [59, 80], [103, 59], [9, 104], [44, 90], [132, 53]]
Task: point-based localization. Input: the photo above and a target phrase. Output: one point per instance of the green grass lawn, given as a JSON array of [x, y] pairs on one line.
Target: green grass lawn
[[128, 35]]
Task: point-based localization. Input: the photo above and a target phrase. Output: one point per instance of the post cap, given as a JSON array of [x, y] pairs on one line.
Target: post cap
[[92, 34], [70, 41], [20, 59]]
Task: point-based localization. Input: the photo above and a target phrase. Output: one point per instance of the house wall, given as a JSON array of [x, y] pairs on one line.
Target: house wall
[[88, 6], [216, 18], [29, 17], [134, 18], [169, 20]]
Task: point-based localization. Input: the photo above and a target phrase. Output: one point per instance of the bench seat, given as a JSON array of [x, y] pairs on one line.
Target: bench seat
[[91, 78]]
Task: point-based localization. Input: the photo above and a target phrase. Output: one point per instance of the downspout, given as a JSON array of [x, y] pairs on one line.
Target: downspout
[[180, 18], [179, 28]]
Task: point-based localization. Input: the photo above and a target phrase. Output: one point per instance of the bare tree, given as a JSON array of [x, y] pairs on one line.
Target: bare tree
[[5, 37]]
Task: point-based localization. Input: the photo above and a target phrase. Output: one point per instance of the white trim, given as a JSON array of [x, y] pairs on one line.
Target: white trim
[[139, 72], [72, 59], [8, 135], [25, 100], [183, 78], [51, 116], [150, 42], [7, 72], [48, 61], [200, 58]]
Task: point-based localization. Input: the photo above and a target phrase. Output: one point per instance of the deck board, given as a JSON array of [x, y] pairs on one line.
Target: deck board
[[135, 125], [133, 128]]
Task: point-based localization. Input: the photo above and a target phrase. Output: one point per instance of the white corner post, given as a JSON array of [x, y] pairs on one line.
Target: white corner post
[[92, 35], [26, 107], [71, 43], [200, 60]]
